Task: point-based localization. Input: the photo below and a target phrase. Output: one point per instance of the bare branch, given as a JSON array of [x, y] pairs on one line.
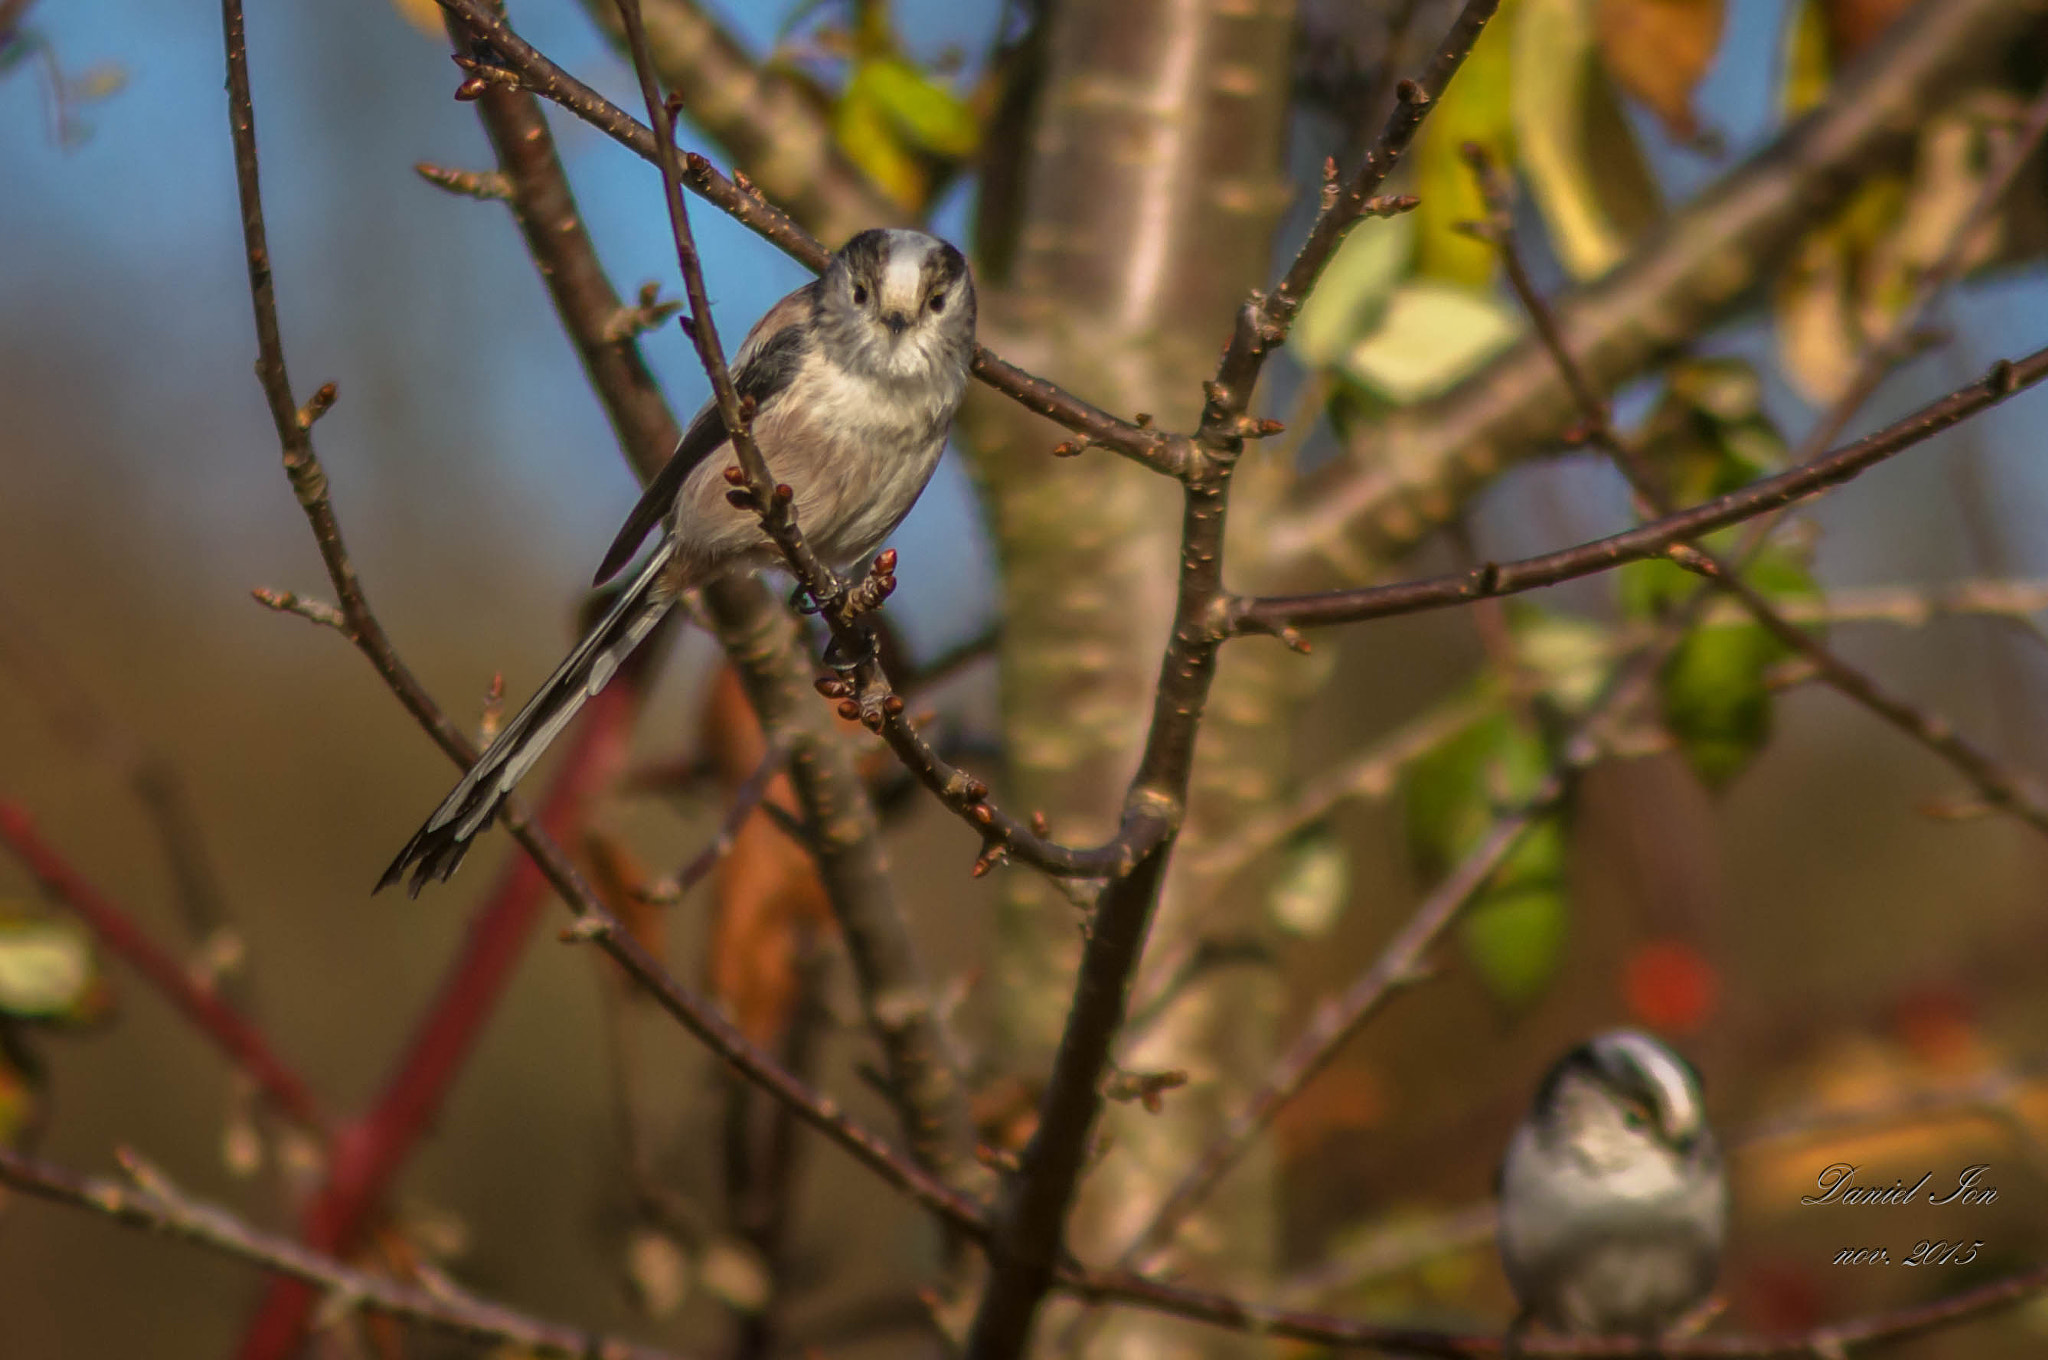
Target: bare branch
[[1024, 1251], [151, 1201], [596, 924], [2000, 786], [541, 76], [1271, 614], [1406, 475], [773, 129]]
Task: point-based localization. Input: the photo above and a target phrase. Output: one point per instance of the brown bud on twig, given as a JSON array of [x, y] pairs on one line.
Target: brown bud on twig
[[586, 929], [735, 476], [1408, 92], [1143, 1087], [893, 705], [995, 1159], [1143, 420], [982, 813], [976, 790], [480, 184], [783, 494], [744, 183], [832, 687], [317, 405], [482, 75], [871, 719], [1067, 448], [696, 164], [494, 709], [991, 855], [740, 500], [1039, 825], [849, 709]]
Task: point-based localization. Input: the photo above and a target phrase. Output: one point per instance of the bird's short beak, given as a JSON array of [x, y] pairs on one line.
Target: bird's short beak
[[897, 322]]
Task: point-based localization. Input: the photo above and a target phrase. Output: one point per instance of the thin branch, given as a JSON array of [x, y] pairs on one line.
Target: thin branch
[[2000, 786], [1278, 614], [1329, 1330], [370, 1153], [156, 782], [209, 1012], [1910, 606], [538, 74], [150, 1201], [746, 798], [1405, 475], [596, 923], [1340, 1017], [1900, 342], [763, 647], [1025, 1248], [771, 127], [1372, 774], [1263, 323]]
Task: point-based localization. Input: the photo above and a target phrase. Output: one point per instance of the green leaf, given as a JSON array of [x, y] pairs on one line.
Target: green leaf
[[1515, 938], [1585, 170], [924, 113], [1452, 795], [1715, 699], [1478, 107], [1352, 292], [1513, 928], [47, 970], [1431, 335]]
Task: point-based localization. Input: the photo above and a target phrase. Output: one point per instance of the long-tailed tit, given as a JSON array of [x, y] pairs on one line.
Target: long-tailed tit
[[1613, 1201], [855, 378]]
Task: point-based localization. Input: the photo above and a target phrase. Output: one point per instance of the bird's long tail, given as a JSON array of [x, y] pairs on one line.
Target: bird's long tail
[[438, 847]]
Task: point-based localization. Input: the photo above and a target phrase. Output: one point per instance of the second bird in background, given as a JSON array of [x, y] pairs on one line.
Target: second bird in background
[[1613, 1195]]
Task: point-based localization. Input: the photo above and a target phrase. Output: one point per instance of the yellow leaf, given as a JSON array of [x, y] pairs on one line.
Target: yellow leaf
[[424, 15], [1658, 50], [1585, 171], [925, 113], [864, 132], [1477, 108], [1809, 64]]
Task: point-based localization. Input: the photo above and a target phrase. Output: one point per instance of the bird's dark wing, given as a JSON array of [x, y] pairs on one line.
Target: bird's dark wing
[[763, 367]]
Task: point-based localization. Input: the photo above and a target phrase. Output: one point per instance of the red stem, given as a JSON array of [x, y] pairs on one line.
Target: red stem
[[234, 1032], [368, 1154]]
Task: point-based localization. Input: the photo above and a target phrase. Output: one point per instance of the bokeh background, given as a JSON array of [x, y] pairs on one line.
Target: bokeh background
[[1858, 947]]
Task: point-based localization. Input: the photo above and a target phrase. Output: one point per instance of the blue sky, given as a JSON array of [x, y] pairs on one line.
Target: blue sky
[[459, 396]]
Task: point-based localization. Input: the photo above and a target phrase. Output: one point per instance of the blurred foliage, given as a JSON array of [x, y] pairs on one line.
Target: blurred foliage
[[22, 44], [897, 120]]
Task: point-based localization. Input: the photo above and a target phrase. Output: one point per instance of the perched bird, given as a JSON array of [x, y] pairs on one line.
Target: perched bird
[[855, 378], [1613, 1200]]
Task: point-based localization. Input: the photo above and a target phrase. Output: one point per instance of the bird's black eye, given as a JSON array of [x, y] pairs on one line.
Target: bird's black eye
[[938, 302], [1634, 1117], [860, 294]]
